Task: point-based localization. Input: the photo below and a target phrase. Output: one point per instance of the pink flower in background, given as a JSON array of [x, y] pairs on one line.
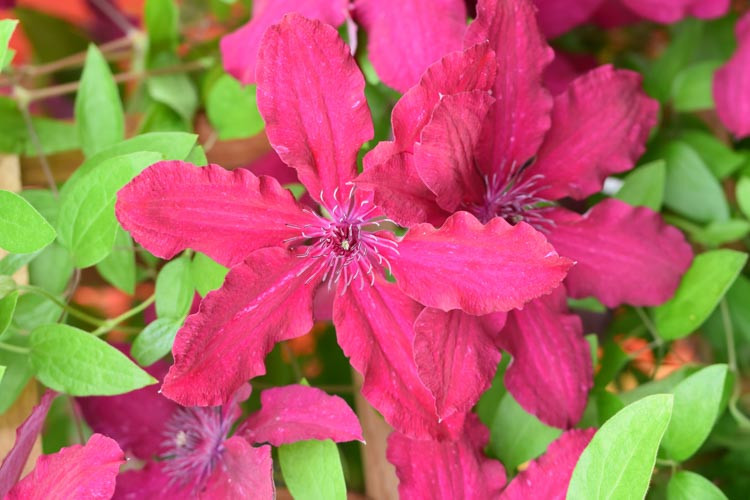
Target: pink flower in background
[[731, 87], [189, 451], [76, 471], [496, 144], [311, 96]]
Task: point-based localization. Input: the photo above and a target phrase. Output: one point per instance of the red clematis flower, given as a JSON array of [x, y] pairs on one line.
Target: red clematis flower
[[311, 95], [732, 85], [503, 149], [188, 451], [77, 471]]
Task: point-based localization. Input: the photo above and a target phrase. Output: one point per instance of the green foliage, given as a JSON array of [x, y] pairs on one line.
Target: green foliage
[[686, 485], [644, 186], [312, 470], [7, 26], [232, 109], [162, 24], [155, 341], [22, 228], [118, 268], [207, 274], [7, 308], [174, 289]]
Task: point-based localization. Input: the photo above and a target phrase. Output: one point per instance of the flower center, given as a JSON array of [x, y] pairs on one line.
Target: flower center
[[514, 199], [347, 245], [193, 444]]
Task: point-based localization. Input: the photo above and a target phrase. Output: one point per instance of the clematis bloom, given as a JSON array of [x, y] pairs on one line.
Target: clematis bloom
[[76, 471], [311, 95], [732, 86], [189, 452], [502, 148]]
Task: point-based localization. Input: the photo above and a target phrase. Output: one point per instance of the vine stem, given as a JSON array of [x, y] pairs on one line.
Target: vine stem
[[111, 323], [70, 309], [14, 348], [742, 420]]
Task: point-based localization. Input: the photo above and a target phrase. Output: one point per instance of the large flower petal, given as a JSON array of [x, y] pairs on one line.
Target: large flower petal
[[456, 356], [311, 95], [26, 435], [477, 268], [548, 476], [149, 483], [297, 413], [74, 472], [520, 117], [450, 469], [558, 16], [399, 191], [243, 472], [732, 84], [136, 419], [406, 36], [445, 155], [551, 372], [263, 301], [174, 205], [239, 50], [375, 329], [599, 127], [624, 254], [670, 11]]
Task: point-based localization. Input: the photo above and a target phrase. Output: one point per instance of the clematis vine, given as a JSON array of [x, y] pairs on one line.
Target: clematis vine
[[496, 144], [731, 85], [189, 452], [311, 95], [404, 36], [78, 471]]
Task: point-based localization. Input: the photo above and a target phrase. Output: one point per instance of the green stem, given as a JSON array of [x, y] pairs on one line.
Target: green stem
[[70, 309], [14, 348], [742, 420], [650, 326], [111, 323]]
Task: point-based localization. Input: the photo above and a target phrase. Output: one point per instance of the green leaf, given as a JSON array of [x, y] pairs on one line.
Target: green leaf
[[517, 436], [686, 485], [686, 39], [33, 310], [98, 110], [701, 289], [692, 87], [312, 470], [22, 228], [15, 261], [52, 269], [719, 158], [154, 341], [689, 179], [644, 186], [232, 109], [55, 135], [697, 401], [87, 224], [118, 268], [17, 372], [7, 285], [718, 233], [661, 386], [613, 360], [2, 373], [197, 157], [7, 26], [176, 91], [619, 460], [174, 289], [207, 274], [72, 361], [162, 24], [743, 195], [7, 308]]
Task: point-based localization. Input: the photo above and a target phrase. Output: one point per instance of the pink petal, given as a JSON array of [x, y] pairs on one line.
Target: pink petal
[[136, 419], [445, 155], [548, 476], [520, 117], [478, 269], [149, 483], [263, 301], [244, 472], [670, 11], [456, 356], [456, 470], [565, 68], [399, 191], [624, 254], [471, 69], [732, 84], [374, 325], [239, 50], [74, 472], [298, 413], [311, 95], [613, 14], [406, 36], [558, 16], [174, 205], [26, 435], [599, 127], [270, 164], [551, 372]]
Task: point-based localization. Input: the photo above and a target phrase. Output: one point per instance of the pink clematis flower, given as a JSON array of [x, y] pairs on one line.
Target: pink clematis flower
[[404, 36], [497, 145], [731, 86], [558, 16], [76, 471], [310, 93], [189, 452]]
